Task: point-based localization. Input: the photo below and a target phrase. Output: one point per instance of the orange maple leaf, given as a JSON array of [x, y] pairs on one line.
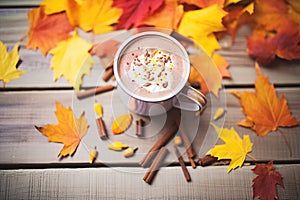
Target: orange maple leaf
[[264, 111], [46, 31], [68, 131]]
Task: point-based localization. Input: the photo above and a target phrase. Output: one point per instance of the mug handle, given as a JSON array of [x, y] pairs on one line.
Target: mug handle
[[197, 102]]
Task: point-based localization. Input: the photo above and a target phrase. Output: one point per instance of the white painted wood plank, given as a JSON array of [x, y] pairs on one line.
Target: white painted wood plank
[[20, 142], [18, 3], [127, 183]]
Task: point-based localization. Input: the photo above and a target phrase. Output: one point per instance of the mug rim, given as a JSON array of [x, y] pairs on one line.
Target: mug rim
[[122, 48]]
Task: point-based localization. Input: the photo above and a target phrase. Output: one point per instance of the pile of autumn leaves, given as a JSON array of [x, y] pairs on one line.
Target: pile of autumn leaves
[[53, 27]]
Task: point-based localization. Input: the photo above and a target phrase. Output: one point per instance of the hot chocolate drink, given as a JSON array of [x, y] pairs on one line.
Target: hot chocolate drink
[[151, 72], [153, 67]]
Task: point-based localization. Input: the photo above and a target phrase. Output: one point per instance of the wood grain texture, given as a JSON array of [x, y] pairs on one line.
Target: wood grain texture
[[18, 3], [127, 183], [20, 142]]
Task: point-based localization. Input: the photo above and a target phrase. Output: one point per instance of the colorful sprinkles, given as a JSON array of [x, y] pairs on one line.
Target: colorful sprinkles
[[153, 69]]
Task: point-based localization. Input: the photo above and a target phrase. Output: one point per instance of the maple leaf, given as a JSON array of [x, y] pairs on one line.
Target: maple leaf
[[134, 11], [237, 15], [234, 148], [72, 60], [205, 73], [54, 6], [68, 131], [167, 16], [46, 31], [96, 15], [264, 185], [222, 65], [264, 111], [203, 3], [8, 62], [276, 30], [200, 26], [91, 15]]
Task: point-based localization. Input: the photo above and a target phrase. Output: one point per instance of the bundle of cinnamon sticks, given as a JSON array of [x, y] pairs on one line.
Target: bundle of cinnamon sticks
[[158, 152]]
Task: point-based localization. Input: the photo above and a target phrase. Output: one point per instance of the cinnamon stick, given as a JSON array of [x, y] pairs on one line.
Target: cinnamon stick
[[139, 124], [101, 128], [108, 74], [171, 131], [182, 164], [189, 148], [155, 165], [94, 91], [207, 160]]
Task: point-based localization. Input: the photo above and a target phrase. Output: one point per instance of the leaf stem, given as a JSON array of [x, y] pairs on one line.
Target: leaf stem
[[3, 84], [286, 141], [23, 36], [252, 157]]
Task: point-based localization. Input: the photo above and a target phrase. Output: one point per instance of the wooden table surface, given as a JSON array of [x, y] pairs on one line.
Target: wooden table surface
[[30, 169]]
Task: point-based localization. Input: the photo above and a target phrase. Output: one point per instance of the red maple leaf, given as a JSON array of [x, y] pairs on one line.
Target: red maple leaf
[[134, 11], [264, 185], [275, 32], [46, 31]]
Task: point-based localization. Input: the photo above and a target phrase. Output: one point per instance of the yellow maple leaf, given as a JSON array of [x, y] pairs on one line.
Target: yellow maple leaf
[[121, 123], [68, 131], [72, 60], [234, 148], [8, 62], [200, 26], [96, 15], [54, 6]]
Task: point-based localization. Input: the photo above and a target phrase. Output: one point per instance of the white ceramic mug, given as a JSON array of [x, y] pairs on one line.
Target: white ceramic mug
[[182, 96]]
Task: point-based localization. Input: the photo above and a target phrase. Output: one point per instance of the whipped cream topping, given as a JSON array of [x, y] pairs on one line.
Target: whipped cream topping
[[152, 70]]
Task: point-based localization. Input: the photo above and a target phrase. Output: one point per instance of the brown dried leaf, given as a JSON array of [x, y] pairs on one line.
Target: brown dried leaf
[[105, 49]]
